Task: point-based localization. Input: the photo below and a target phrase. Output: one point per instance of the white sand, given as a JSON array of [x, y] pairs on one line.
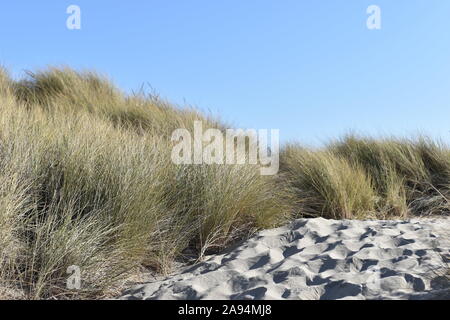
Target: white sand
[[321, 259]]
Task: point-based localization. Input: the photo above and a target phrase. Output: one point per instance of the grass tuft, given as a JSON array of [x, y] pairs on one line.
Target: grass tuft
[[363, 177]]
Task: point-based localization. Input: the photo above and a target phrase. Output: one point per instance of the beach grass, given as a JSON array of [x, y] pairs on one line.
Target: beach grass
[[363, 177], [87, 180]]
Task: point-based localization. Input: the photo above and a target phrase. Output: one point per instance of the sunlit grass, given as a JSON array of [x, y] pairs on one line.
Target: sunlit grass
[[363, 177], [87, 180]]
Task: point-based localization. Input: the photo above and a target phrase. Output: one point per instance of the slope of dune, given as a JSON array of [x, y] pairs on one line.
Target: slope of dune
[[321, 259]]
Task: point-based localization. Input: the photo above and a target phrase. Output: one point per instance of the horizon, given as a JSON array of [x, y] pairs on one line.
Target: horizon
[[315, 71]]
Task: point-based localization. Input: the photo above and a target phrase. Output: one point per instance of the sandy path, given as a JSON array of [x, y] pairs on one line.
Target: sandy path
[[321, 259]]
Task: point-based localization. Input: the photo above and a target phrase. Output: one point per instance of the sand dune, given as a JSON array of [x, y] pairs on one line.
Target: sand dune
[[321, 259]]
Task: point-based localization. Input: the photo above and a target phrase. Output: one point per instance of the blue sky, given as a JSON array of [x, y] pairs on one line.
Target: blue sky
[[310, 68]]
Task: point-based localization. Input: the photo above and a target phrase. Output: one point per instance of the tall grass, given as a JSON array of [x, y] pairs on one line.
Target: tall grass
[[87, 180], [327, 184], [365, 177]]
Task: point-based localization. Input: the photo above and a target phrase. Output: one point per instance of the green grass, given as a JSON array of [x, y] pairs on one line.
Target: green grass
[[360, 177], [87, 180]]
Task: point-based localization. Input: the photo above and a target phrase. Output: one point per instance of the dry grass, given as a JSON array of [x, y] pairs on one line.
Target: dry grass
[[87, 180], [374, 178]]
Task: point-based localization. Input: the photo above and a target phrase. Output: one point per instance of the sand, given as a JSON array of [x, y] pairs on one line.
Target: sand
[[320, 259]]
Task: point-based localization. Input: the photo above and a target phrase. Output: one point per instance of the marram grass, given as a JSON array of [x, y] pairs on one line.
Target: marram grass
[[360, 177], [87, 180]]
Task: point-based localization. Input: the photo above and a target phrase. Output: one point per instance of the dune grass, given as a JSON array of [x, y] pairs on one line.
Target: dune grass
[[360, 177], [87, 180]]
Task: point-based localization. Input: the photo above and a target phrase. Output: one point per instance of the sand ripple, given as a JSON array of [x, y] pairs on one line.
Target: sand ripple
[[321, 259]]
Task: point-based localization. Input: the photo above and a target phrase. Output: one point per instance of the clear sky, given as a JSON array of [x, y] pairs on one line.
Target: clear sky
[[310, 68]]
